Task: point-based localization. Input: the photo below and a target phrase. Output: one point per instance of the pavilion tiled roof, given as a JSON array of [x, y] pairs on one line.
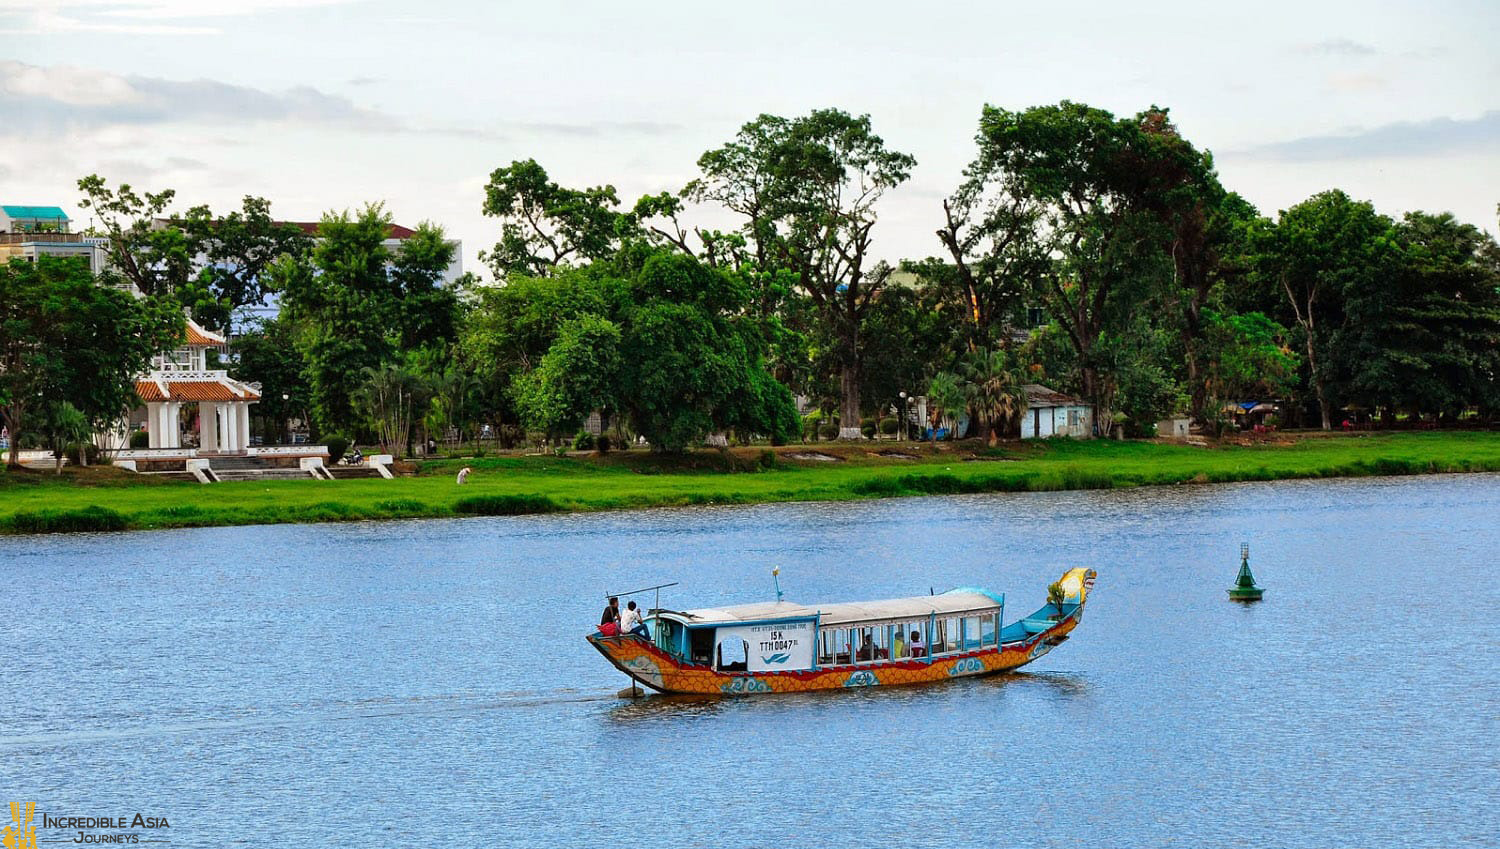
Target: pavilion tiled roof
[[194, 390], [198, 336]]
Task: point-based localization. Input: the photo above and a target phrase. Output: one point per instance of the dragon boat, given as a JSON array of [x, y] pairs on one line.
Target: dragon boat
[[782, 647]]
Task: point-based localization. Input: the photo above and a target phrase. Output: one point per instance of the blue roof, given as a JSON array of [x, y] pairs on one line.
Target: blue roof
[[34, 211]]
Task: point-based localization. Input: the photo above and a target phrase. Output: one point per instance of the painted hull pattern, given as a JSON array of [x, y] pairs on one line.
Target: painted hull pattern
[[660, 671]]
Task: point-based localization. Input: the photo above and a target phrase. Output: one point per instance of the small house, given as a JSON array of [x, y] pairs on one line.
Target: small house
[[1052, 413]]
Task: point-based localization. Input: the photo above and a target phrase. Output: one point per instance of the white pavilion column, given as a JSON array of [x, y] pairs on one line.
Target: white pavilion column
[[208, 426], [242, 409], [153, 425], [173, 415]]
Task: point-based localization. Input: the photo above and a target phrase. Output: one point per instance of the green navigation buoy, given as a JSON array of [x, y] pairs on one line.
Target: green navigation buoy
[[1244, 588]]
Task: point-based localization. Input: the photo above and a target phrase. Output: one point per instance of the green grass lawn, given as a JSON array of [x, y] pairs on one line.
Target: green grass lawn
[[110, 499]]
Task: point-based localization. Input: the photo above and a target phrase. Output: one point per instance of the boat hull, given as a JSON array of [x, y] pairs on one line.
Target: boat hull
[[663, 672]]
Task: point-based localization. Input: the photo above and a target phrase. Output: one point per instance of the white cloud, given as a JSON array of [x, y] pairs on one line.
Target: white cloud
[[1433, 137], [137, 17], [51, 98]]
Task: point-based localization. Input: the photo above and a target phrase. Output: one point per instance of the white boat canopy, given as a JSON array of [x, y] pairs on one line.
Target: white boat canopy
[[952, 603]]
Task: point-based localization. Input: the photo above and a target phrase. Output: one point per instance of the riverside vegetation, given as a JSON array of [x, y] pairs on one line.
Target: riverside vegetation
[[104, 499]]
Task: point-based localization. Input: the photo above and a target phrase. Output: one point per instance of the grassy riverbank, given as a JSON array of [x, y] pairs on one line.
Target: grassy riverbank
[[110, 499]]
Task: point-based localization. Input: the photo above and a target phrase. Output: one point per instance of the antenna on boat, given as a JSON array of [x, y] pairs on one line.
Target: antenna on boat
[[776, 576]]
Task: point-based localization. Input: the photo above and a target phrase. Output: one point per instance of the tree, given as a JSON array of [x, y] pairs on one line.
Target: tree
[[993, 389], [238, 250], [1426, 337], [61, 424], [577, 375], [1247, 356], [390, 395], [1317, 253], [994, 237], [808, 188], [1099, 190], [266, 353], [545, 227], [156, 260], [945, 397], [64, 338], [357, 306]]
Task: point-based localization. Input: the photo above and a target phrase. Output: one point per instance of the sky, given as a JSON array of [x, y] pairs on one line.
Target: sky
[[323, 105]]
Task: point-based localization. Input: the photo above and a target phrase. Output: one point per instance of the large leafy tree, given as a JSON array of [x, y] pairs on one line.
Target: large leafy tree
[[807, 188], [65, 339], [156, 259], [1099, 190], [545, 227], [239, 249], [353, 303], [1318, 254], [211, 265], [1425, 338], [579, 374]]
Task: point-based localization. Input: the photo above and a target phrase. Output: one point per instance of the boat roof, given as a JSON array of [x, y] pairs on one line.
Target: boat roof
[[951, 603]]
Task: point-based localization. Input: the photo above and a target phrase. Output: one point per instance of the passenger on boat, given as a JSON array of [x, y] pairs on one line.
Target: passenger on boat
[[917, 648], [611, 615], [898, 649], [630, 622], [866, 650]]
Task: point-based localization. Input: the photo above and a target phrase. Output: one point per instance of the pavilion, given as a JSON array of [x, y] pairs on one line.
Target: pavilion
[[180, 377]]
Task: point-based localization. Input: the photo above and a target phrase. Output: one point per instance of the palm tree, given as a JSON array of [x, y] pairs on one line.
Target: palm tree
[[945, 396], [993, 388]]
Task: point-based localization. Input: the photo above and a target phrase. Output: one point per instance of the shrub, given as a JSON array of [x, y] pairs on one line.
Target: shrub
[[868, 430], [583, 441], [140, 439], [88, 449], [401, 505], [87, 520], [767, 459], [829, 431], [603, 444], [505, 505], [889, 426], [560, 451], [337, 446]]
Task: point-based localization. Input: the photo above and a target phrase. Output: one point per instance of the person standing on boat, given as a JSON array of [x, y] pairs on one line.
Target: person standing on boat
[[611, 615], [630, 622]]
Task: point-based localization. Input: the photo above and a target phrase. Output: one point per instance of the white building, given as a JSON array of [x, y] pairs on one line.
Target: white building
[[32, 231], [1051, 413]]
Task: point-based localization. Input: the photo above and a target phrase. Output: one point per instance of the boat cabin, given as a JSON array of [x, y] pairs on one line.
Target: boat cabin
[[786, 637]]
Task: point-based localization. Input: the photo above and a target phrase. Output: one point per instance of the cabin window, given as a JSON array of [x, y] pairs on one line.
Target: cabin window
[[948, 630], [732, 656], [833, 646], [971, 632], [882, 642], [701, 645], [987, 629]]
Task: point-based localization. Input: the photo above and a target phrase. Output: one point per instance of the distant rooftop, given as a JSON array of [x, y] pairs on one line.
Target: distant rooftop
[[52, 213], [311, 229]]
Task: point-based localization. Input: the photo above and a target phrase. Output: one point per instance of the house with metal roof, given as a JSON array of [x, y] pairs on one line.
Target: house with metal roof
[[1053, 413]]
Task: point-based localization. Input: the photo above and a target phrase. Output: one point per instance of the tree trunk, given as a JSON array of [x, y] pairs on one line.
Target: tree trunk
[[849, 406], [1317, 378], [12, 421]]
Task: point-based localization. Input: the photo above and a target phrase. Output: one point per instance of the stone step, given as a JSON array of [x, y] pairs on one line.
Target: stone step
[[352, 472], [227, 475]]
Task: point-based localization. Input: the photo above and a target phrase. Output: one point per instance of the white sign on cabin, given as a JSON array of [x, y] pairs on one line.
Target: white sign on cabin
[[772, 648]]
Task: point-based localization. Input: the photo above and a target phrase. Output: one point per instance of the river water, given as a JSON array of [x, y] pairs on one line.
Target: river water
[[427, 683]]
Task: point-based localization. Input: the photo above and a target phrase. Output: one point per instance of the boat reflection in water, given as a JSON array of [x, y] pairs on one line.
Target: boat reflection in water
[[781, 647]]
